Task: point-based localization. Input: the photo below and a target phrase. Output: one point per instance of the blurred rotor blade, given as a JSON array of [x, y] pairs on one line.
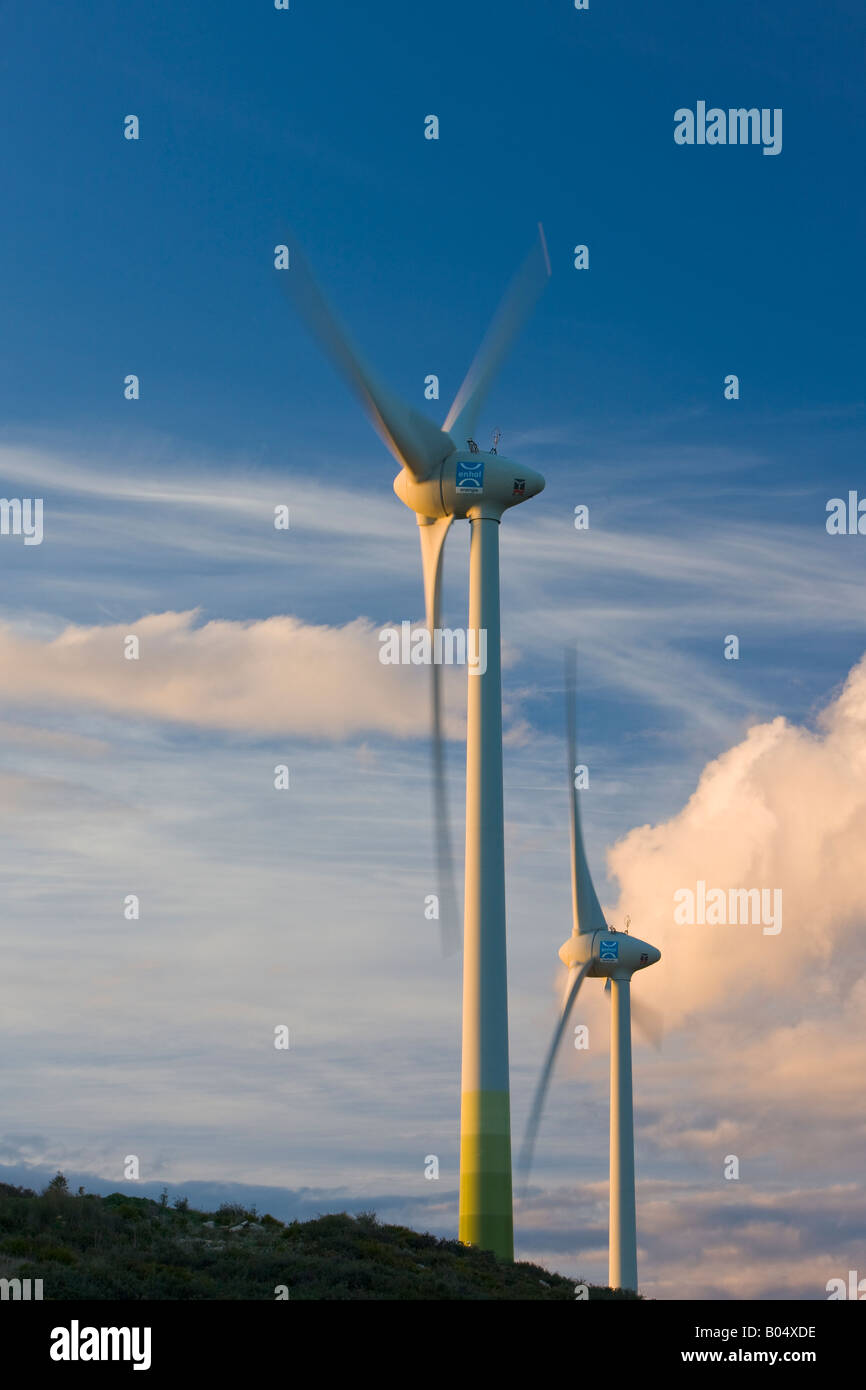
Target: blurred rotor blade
[[416, 442], [648, 1021], [433, 532], [576, 978], [569, 981], [586, 912], [517, 304]]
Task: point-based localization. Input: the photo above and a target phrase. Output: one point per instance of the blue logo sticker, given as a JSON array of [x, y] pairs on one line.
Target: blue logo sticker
[[608, 950], [470, 475]]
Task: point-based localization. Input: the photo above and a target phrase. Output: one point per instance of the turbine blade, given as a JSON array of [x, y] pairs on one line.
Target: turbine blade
[[528, 1147], [648, 1021], [568, 984], [517, 304], [433, 533], [416, 442], [586, 912]]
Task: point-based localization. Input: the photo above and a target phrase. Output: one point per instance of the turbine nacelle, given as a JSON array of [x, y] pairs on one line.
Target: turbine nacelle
[[467, 485], [615, 954]]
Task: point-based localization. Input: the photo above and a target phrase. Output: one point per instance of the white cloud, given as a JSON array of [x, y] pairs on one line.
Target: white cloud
[[256, 677], [783, 809]]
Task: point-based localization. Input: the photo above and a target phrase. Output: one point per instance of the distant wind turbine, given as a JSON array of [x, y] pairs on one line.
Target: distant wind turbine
[[595, 949]]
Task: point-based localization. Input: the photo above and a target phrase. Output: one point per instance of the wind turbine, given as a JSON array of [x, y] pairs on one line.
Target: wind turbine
[[596, 949], [445, 477]]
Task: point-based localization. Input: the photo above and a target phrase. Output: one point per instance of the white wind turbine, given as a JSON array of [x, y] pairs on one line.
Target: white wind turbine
[[443, 477], [596, 949]]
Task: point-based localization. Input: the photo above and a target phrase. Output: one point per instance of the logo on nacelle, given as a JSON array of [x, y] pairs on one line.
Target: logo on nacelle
[[470, 475], [608, 950]]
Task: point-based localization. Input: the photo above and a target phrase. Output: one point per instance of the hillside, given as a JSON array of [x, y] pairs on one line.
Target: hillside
[[124, 1247]]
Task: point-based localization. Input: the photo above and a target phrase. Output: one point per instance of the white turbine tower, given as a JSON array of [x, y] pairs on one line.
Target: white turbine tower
[[444, 476], [596, 949]]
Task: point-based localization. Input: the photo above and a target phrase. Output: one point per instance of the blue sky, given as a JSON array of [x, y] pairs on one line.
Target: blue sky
[[707, 518]]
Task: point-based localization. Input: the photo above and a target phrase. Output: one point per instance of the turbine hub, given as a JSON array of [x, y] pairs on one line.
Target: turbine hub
[[613, 953], [469, 485]]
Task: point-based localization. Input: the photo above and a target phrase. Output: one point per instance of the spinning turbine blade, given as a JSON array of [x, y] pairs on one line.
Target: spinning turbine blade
[[576, 978], [415, 441], [569, 981], [433, 533], [585, 907], [516, 306], [648, 1021]]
